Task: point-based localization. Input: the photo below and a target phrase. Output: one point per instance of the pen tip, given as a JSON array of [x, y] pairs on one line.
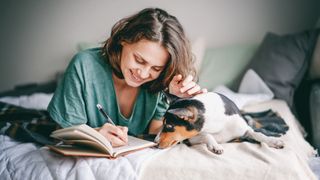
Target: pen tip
[[99, 106]]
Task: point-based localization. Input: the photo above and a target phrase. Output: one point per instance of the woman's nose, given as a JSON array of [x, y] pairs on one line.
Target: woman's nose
[[144, 72]]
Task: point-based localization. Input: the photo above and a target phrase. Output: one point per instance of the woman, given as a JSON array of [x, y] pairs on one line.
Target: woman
[[146, 53]]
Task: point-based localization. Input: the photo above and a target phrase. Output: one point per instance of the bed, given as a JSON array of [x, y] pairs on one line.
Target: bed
[[245, 160], [298, 160]]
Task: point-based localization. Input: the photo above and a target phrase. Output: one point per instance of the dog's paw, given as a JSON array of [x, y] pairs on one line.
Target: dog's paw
[[275, 143], [217, 149]]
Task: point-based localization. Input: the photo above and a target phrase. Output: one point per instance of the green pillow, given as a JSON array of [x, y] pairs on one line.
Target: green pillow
[[223, 66], [87, 45]]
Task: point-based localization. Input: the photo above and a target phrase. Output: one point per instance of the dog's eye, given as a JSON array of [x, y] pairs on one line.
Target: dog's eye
[[169, 126]]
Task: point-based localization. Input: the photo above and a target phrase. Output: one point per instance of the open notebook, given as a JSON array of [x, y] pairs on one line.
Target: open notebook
[[82, 140]]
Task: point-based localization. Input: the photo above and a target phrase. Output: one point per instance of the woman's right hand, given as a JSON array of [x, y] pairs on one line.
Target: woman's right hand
[[117, 135]]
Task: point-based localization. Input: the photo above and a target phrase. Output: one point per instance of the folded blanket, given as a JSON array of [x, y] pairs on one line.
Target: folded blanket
[[267, 122], [26, 125]]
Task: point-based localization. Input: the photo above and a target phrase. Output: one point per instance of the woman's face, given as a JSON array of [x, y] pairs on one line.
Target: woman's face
[[142, 61]]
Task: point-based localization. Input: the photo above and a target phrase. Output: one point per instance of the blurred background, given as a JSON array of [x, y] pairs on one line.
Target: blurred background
[[39, 37]]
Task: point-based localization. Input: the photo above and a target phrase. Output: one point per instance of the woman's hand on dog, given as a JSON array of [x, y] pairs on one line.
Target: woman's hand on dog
[[117, 135], [184, 88]]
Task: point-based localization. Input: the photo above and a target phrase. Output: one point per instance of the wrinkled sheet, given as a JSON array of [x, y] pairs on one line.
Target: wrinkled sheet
[[28, 161], [241, 161]]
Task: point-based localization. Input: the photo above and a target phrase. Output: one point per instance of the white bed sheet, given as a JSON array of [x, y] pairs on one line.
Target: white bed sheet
[[28, 161], [240, 160]]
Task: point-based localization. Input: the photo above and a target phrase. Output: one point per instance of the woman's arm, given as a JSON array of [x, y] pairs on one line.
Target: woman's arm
[[155, 126]]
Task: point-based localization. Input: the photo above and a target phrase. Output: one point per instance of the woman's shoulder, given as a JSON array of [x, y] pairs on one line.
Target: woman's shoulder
[[89, 58], [87, 55]]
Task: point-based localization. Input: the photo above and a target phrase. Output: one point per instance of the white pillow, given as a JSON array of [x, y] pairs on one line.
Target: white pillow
[[38, 101], [252, 90], [198, 47], [239, 99], [252, 83]]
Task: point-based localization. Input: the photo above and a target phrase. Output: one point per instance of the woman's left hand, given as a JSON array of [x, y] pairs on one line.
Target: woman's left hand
[[185, 87]]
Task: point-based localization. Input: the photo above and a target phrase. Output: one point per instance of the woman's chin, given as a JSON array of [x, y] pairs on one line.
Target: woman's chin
[[134, 83]]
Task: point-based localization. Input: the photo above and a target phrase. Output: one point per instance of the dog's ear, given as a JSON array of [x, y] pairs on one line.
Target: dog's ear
[[170, 97], [189, 114]]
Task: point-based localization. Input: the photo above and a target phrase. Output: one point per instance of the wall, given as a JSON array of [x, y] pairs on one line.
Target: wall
[[38, 38]]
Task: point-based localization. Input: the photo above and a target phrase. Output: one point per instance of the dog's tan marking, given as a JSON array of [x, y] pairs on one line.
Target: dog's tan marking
[[168, 139], [184, 132], [257, 125]]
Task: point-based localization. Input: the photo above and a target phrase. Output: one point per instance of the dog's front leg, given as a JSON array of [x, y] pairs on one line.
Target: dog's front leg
[[208, 139]]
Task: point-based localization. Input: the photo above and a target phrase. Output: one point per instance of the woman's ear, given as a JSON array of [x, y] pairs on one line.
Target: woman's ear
[[123, 43]]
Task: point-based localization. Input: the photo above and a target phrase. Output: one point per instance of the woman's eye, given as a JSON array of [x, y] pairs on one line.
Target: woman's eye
[[139, 61], [156, 69]]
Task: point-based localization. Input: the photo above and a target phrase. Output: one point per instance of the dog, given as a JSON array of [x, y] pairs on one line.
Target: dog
[[210, 118]]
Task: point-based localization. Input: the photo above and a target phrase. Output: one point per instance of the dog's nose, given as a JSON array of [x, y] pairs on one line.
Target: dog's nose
[[162, 146], [165, 144]]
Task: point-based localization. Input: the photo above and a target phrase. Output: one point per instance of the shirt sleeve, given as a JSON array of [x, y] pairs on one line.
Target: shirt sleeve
[[161, 108], [67, 107]]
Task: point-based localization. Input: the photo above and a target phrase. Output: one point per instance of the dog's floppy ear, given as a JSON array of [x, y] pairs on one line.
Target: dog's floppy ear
[[170, 97], [189, 114]]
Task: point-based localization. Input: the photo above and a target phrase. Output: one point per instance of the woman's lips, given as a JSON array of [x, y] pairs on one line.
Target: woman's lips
[[135, 78]]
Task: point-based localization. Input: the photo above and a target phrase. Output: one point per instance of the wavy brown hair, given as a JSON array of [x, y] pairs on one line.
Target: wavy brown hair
[[155, 25]]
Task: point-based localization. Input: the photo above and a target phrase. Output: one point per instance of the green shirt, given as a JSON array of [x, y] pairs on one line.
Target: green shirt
[[87, 82]]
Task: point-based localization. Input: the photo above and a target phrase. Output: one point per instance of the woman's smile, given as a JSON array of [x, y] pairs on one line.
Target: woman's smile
[[136, 77]]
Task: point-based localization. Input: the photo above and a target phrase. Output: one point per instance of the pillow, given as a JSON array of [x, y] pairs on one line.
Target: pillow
[[253, 84], [87, 45], [315, 62], [37, 101], [252, 90], [241, 100], [224, 65], [282, 61]]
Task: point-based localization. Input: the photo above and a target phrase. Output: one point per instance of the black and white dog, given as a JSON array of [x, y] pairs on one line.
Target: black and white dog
[[209, 118]]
